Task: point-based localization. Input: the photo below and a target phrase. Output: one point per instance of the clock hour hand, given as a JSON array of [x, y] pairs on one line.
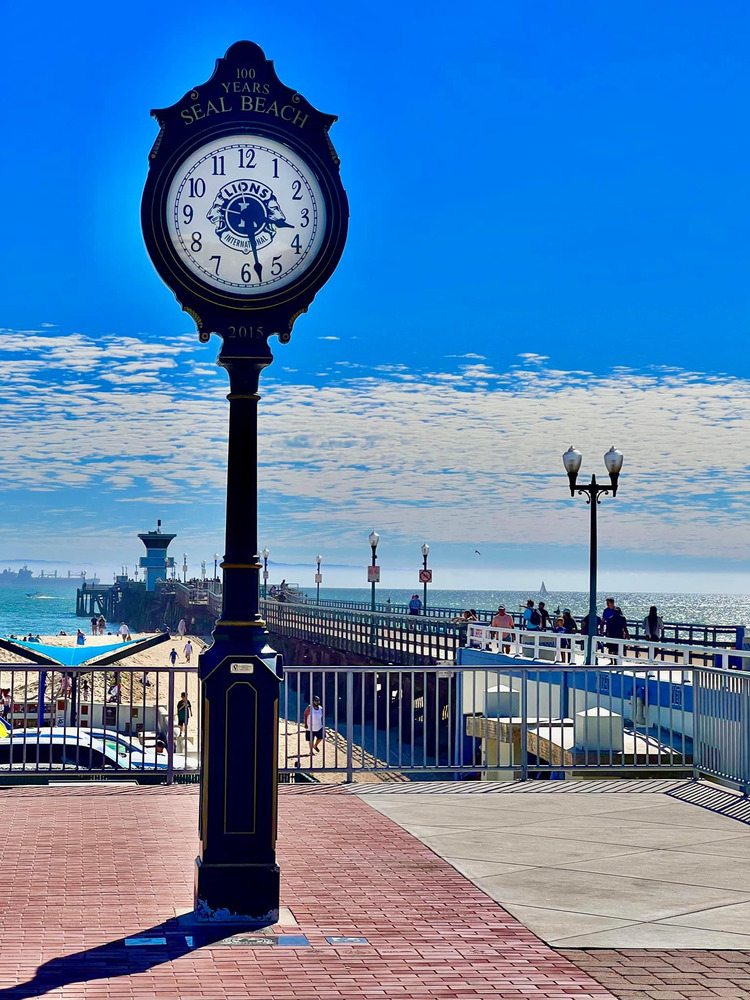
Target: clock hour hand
[[257, 266]]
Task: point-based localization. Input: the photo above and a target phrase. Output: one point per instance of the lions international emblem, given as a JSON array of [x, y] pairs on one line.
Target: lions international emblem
[[246, 215]]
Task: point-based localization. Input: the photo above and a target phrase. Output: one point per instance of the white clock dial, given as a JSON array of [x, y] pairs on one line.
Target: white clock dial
[[246, 215]]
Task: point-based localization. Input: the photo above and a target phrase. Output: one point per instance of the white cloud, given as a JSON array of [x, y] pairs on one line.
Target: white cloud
[[471, 456]]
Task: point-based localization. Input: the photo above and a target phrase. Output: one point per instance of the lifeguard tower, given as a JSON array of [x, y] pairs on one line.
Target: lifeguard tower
[[156, 562]]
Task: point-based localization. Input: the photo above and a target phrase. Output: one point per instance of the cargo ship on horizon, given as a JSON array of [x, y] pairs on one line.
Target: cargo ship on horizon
[[25, 578]]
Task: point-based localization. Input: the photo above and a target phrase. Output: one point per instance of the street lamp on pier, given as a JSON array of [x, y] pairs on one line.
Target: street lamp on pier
[[318, 579], [593, 491], [373, 570], [216, 562], [203, 569], [265, 553], [184, 567], [425, 576]]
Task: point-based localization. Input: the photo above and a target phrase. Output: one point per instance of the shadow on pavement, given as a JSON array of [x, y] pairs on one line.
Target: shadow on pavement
[[118, 958], [714, 798]]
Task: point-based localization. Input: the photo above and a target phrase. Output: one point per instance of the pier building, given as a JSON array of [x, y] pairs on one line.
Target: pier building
[[156, 562]]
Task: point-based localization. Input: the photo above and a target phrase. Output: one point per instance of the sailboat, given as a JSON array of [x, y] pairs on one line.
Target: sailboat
[[542, 590]]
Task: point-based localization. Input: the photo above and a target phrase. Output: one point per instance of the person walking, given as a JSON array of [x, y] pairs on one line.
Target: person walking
[[313, 722], [182, 628], [502, 620], [184, 711], [188, 651], [102, 623], [94, 625], [173, 656], [124, 632], [415, 605]]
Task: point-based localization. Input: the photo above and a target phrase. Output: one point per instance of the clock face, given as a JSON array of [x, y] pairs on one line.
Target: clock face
[[246, 215]]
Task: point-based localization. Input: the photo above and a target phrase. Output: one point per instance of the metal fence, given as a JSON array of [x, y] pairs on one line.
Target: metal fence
[[518, 721], [116, 721]]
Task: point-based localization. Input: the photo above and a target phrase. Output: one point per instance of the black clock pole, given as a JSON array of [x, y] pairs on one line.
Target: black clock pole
[[246, 122], [237, 877]]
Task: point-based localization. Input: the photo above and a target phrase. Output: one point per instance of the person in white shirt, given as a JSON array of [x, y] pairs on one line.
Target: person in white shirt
[[313, 720]]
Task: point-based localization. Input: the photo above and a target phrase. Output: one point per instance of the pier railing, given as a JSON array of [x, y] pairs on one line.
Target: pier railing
[[393, 638], [559, 647], [403, 639], [684, 633]]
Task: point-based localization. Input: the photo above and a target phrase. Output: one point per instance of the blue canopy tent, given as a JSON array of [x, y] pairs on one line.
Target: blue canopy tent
[[77, 657]]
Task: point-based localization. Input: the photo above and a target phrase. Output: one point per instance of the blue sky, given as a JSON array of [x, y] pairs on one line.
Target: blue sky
[[548, 243]]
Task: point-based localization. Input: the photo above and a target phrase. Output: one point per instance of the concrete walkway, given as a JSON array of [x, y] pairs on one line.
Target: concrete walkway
[[594, 864]]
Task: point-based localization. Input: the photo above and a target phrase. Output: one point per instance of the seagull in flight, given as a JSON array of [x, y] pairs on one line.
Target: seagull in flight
[[477, 552]]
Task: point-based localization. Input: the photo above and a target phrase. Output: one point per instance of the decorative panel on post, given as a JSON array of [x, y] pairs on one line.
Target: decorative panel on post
[[245, 218]]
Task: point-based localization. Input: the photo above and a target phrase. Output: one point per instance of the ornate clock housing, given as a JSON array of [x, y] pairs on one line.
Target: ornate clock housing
[[244, 215]]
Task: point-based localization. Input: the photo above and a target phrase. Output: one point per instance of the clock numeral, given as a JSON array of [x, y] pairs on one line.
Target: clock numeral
[[196, 245], [275, 167], [218, 261], [246, 273], [276, 266], [305, 218], [218, 166], [296, 244], [296, 187], [247, 158], [197, 187], [187, 211]]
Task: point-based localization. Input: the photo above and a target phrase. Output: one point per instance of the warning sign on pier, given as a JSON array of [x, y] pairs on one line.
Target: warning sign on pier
[[425, 576]]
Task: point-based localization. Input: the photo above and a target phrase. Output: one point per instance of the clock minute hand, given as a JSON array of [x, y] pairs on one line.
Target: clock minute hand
[[257, 266]]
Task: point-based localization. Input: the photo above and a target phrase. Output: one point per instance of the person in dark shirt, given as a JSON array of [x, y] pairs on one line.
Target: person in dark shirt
[[545, 616], [615, 627], [585, 625]]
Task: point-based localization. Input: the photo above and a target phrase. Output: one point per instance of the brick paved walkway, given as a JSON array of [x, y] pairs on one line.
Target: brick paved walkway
[[87, 866], [668, 975]]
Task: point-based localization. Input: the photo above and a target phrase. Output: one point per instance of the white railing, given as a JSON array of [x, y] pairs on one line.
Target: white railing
[[562, 648], [518, 721]]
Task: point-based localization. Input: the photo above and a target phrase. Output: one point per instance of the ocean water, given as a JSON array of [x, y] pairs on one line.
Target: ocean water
[[710, 609], [46, 614], [51, 613]]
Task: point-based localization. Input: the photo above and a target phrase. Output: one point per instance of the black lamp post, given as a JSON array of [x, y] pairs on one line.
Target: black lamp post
[[265, 553], [593, 491], [374, 539], [318, 579], [425, 553], [216, 562]]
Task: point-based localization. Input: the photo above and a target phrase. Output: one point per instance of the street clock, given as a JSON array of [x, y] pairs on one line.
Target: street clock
[[244, 215]]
